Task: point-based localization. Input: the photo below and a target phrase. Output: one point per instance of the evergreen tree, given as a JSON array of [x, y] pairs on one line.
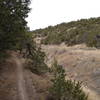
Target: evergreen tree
[[58, 89], [12, 22], [63, 89], [14, 35]]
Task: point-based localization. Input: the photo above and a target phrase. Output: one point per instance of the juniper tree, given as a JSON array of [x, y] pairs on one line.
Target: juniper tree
[[12, 22], [63, 89], [13, 31]]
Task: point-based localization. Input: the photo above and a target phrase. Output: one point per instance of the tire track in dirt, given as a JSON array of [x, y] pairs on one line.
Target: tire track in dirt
[[20, 79]]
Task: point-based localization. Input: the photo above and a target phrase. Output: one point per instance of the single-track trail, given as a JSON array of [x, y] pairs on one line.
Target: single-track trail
[[17, 82], [20, 79]]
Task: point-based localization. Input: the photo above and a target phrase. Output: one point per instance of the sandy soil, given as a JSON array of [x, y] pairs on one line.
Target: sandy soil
[[20, 79]]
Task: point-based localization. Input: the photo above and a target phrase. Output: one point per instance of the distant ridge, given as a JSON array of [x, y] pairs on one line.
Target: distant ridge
[[72, 33]]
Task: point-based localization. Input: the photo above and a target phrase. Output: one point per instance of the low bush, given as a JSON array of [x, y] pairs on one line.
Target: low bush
[[63, 89]]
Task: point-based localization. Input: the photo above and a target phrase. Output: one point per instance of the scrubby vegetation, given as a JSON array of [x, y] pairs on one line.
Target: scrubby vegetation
[[13, 25], [15, 35], [63, 89], [76, 32], [36, 62]]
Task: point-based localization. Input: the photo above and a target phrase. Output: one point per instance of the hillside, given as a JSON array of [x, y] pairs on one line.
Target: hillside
[[75, 45], [76, 32], [81, 63]]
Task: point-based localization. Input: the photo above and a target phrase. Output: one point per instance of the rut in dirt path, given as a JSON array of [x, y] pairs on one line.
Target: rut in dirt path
[[20, 79]]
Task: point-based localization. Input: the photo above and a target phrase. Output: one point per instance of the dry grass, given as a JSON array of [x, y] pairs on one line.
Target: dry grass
[[80, 62]]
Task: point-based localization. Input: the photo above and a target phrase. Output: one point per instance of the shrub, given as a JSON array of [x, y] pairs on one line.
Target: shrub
[[37, 60], [65, 89]]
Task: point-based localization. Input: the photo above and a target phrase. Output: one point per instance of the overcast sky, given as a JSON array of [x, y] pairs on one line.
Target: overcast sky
[[52, 12]]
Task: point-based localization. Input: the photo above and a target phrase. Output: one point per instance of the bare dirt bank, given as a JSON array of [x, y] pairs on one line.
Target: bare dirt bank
[[81, 63]]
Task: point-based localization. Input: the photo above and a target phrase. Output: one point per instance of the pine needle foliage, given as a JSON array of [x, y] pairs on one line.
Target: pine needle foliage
[[63, 89], [13, 25]]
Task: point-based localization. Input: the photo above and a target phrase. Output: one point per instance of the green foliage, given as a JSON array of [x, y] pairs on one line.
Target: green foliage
[[13, 32], [13, 25], [12, 22], [65, 89], [35, 55], [58, 89], [37, 63], [76, 32]]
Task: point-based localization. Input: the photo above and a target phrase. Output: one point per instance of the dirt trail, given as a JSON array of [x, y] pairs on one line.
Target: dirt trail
[[20, 79]]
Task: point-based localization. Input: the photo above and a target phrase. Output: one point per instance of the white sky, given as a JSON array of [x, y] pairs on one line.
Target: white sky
[[52, 12]]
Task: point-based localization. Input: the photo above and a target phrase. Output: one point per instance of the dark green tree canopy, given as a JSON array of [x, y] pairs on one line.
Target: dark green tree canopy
[[12, 22]]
